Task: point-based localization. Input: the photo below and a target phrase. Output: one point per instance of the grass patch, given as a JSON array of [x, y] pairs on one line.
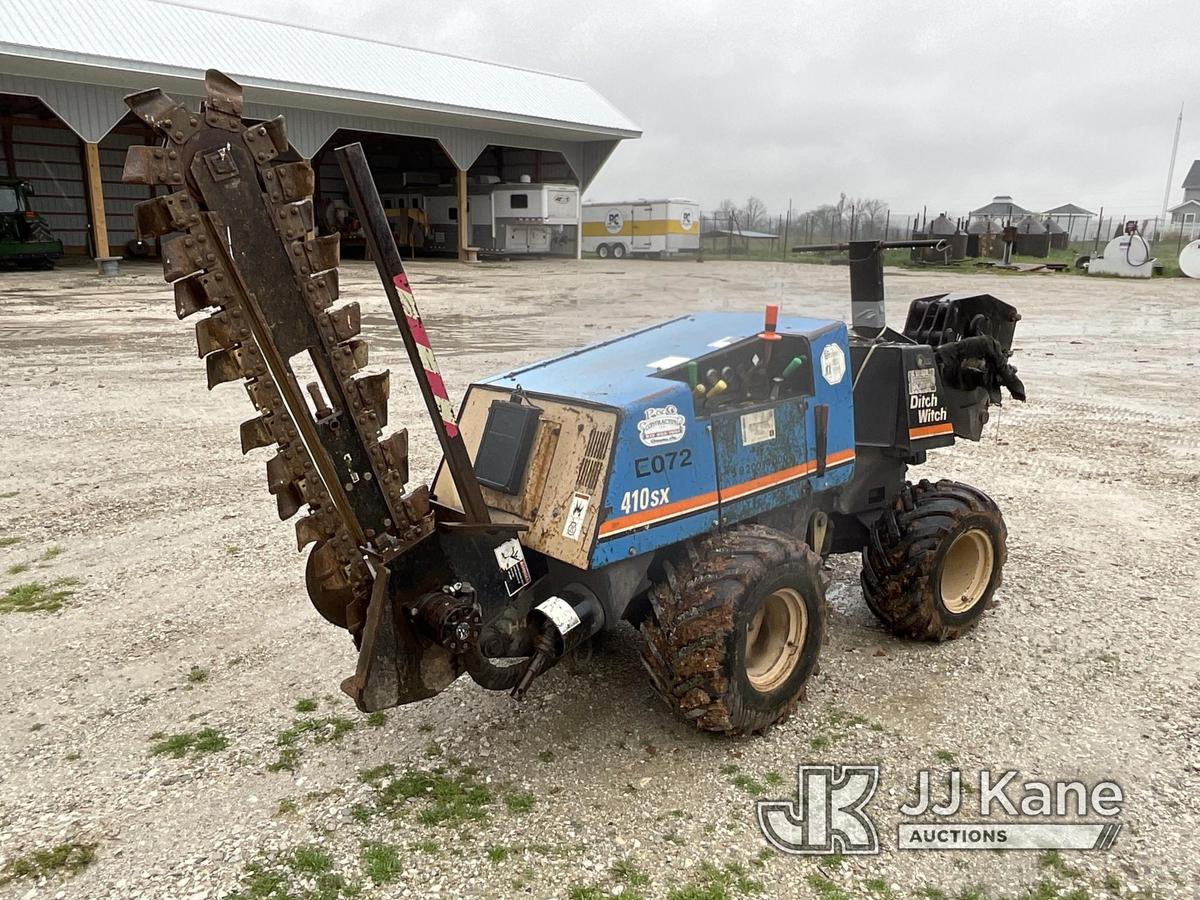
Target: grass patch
[[747, 784], [497, 855], [377, 719], [879, 887], [774, 779], [306, 705], [63, 859], [376, 774], [302, 873], [825, 888], [717, 883], [287, 807], [197, 675], [9, 540], [546, 756], [286, 760], [820, 742], [381, 862], [1053, 860], [206, 740], [17, 568], [628, 874], [324, 730], [443, 798], [945, 756], [519, 801], [52, 553], [37, 597]]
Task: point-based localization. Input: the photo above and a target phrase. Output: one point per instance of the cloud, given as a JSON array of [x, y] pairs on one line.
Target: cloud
[[941, 105]]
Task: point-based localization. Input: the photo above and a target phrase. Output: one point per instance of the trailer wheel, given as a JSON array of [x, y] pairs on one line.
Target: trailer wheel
[[602, 251], [935, 560], [736, 627], [618, 251]]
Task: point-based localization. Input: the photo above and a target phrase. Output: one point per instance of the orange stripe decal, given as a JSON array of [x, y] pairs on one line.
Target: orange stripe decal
[[930, 431], [734, 492]]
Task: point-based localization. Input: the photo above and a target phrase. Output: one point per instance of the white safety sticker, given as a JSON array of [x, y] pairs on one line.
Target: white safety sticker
[[661, 425], [667, 362], [758, 427], [721, 343], [576, 516], [511, 559], [921, 381], [561, 613], [833, 364]]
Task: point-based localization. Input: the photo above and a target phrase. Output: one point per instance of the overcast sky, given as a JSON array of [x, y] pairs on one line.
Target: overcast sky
[[938, 104]]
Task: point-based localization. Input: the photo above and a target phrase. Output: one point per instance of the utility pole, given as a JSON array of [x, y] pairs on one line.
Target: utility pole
[[1171, 168]]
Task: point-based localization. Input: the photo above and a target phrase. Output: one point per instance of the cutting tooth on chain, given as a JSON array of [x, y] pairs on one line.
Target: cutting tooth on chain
[[196, 293], [372, 393], [185, 255], [395, 454], [255, 433], [346, 320], [310, 529], [288, 502], [223, 92], [294, 220], [165, 214], [317, 255], [151, 165], [221, 331], [290, 181], [267, 139], [356, 350]]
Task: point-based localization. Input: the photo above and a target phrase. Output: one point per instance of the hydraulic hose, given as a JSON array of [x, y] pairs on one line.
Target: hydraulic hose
[[488, 675]]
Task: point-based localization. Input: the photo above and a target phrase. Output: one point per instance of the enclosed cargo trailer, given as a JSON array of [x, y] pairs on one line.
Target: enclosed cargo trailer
[[641, 227]]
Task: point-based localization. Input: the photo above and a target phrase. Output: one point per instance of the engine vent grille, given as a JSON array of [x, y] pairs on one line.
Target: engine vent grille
[[593, 459]]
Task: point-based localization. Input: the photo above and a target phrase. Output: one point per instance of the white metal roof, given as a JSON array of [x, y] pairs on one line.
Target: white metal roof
[[87, 38], [641, 201]]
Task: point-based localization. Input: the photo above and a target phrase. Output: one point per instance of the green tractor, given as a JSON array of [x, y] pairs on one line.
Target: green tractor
[[25, 238]]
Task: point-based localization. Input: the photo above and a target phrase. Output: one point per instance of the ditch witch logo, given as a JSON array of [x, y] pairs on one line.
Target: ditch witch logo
[[830, 814]]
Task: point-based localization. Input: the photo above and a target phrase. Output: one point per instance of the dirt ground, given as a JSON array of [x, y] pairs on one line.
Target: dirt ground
[[189, 631]]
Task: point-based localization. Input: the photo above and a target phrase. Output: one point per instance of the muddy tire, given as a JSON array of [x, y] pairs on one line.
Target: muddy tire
[[935, 560], [736, 629]]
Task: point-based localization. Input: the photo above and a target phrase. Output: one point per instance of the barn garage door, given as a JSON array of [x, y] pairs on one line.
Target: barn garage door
[[49, 159], [119, 198]]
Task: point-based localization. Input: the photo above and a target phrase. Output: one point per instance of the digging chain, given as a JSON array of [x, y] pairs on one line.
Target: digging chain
[[244, 249]]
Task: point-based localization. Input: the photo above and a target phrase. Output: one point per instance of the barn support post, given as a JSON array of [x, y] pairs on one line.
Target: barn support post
[[95, 197], [464, 217]]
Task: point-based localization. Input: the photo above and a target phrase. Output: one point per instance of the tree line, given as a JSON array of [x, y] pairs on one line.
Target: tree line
[[862, 217]]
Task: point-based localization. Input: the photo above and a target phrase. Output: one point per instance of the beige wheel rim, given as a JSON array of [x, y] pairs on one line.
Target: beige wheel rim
[[967, 570], [775, 639]]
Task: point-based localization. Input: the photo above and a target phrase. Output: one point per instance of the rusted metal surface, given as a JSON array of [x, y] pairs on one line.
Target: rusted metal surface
[[238, 241]]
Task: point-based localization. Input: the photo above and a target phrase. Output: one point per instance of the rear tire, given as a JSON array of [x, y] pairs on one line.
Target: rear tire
[[618, 251], [935, 560], [736, 629], [602, 251]]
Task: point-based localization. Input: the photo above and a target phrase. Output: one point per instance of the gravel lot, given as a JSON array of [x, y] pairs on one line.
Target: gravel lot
[[189, 631]]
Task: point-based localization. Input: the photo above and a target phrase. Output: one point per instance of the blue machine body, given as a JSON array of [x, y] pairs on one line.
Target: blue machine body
[[678, 470]]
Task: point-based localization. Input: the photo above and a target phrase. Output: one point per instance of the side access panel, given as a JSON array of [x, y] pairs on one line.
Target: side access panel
[[560, 493]]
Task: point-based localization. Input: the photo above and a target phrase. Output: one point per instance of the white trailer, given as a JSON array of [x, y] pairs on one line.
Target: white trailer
[[508, 219], [641, 227]]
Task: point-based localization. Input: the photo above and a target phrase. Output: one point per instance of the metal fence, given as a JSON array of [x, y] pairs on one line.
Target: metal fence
[[768, 236]]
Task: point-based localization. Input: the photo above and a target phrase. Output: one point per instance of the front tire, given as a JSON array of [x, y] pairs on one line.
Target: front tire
[[935, 560], [602, 251], [618, 251], [736, 630]]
